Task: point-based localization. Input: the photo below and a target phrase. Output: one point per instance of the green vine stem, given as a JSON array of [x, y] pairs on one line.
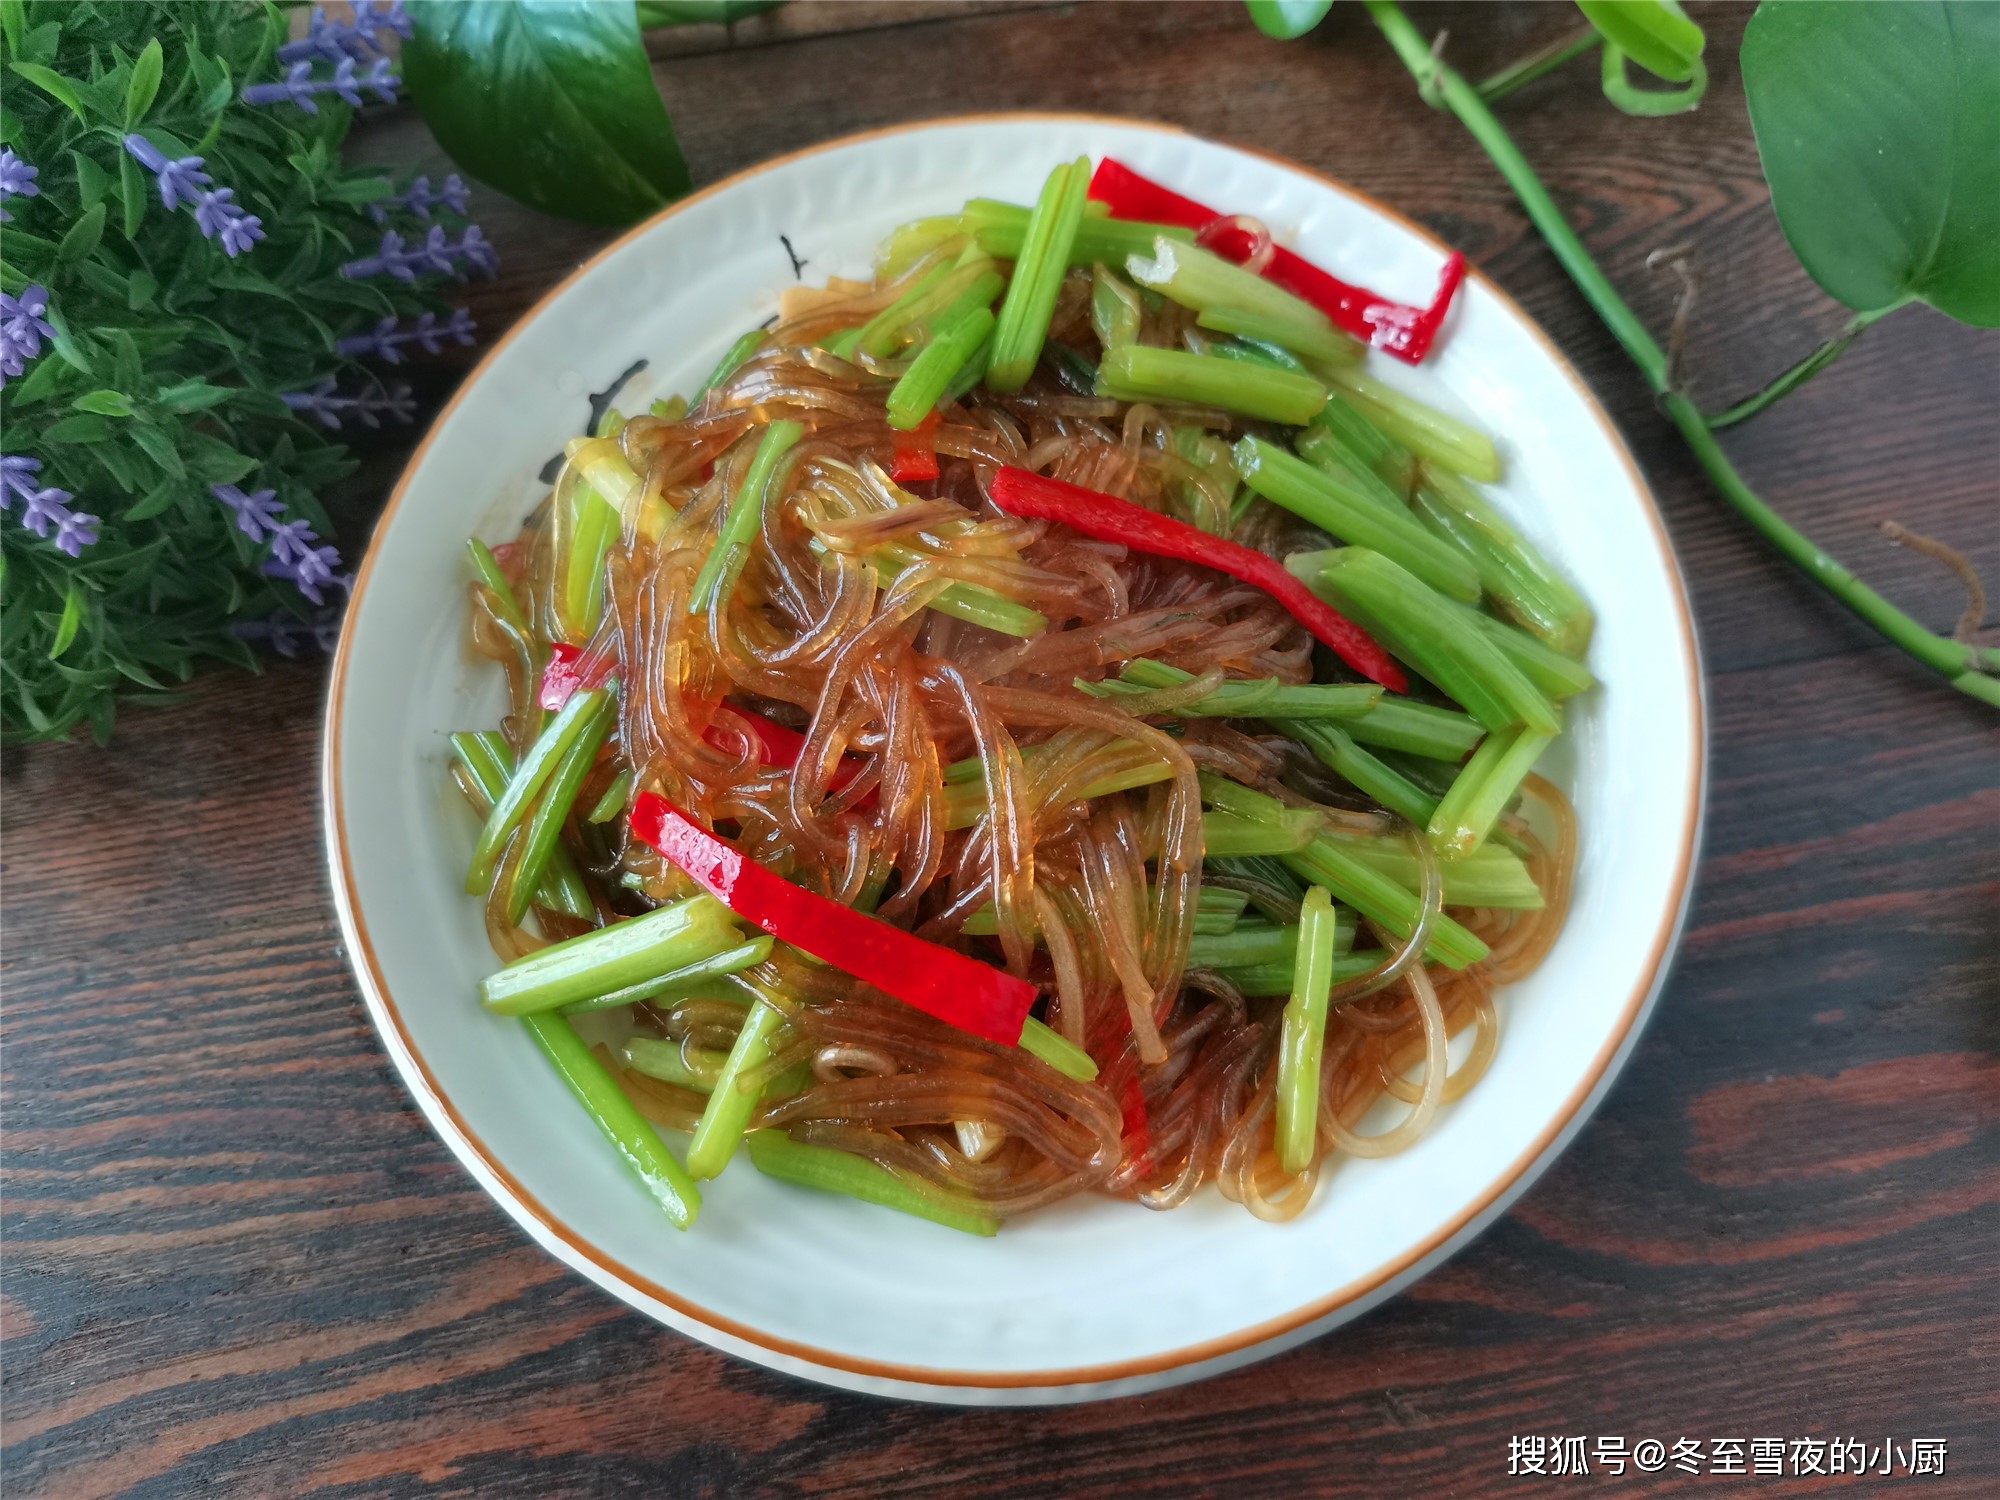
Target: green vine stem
[[1535, 64], [1969, 668], [1799, 373]]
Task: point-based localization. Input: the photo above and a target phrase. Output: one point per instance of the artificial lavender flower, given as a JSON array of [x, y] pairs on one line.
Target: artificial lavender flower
[[17, 180], [420, 200], [372, 19], [385, 339], [216, 214], [307, 569], [181, 179], [256, 513], [16, 470], [292, 540], [299, 85], [332, 40], [75, 532], [394, 257], [329, 408], [286, 634], [22, 328]]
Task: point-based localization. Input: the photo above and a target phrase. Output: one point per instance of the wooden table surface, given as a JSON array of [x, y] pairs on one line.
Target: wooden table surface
[[238, 1263]]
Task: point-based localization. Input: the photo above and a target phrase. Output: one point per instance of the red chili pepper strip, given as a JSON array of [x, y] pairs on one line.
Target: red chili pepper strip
[[915, 455], [1109, 519], [570, 668], [1397, 327], [779, 746], [961, 991]]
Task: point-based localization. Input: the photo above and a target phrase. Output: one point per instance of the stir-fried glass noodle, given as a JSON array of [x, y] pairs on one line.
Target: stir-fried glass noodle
[[842, 613]]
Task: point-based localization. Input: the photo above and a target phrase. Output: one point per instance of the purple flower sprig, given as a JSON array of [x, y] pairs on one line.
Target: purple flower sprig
[[418, 199], [297, 554], [22, 329], [42, 508], [184, 184], [288, 635], [386, 339], [368, 408], [17, 180], [393, 257], [299, 86], [335, 40]]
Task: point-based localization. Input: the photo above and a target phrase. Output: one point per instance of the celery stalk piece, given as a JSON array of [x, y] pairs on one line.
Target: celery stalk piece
[[1140, 372], [630, 1132], [552, 809], [1314, 340], [677, 984], [972, 602], [1355, 516], [1518, 578], [659, 1058], [1415, 729], [486, 568], [1263, 697], [1225, 835], [1424, 430], [603, 466], [1365, 772], [1303, 1034], [965, 801], [1202, 280], [1468, 811], [920, 388], [776, 1154], [881, 334], [1407, 616], [1557, 675], [725, 561], [1057, 1050], [732, 360], [664, 940], [612, 803], [1361, 886], [730, 1105], [1352, 881], [1115, 310], [527, 781], [1001, 229], [969, 374], [1038, 272], [489, 759], [1492, 875], [1277, 978]]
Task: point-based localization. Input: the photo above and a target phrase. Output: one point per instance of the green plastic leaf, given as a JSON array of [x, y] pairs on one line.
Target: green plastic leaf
[[1633, 100], [1879, 126], [13, 23], [144, 84], [52, 83], [1285, 19], [551, 101], [106, 403], [696, 12], [72, 619], [1655, 34], [132, 189], [83, 236]]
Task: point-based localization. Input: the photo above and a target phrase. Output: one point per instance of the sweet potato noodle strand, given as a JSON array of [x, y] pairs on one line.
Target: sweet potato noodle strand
[[1093, 897]]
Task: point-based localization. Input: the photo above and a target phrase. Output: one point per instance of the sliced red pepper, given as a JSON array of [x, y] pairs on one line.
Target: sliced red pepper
[[1397, 327], [779, 746], [941, 982], [570, 668], [1022, 493], [915, 454]]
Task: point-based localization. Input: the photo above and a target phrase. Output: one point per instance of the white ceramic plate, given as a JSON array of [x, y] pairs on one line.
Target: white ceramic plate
[[1092, 1298]]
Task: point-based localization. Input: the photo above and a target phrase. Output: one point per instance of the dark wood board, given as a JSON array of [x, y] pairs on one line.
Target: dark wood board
[[237, 1263]]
